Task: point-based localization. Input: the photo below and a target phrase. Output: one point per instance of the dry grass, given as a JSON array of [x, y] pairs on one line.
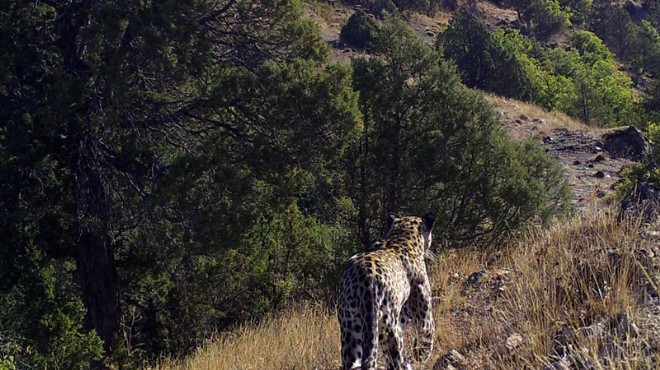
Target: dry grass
[[527, 120], [577, 273], [304, 338]]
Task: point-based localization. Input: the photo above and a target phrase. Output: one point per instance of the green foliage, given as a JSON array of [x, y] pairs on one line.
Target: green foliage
[[613, 25], [7, 363], [108, 110], [646, 49], [541, 86], [485, 61], [259, 217], [580, 10], [583, 81], [359, 30], [541, 17], [46, 330], [603, 95], [431, 144]]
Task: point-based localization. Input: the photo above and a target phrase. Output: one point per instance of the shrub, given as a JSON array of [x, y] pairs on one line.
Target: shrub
[[359, 30], [433, 144], [484, 61]]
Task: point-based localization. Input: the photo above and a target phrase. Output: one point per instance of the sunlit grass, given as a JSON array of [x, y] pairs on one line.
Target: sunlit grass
[[573, 274]]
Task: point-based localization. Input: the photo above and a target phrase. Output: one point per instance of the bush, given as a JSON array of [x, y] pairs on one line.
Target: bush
[[359, 30], [541, 17], [602, 94], [484, 61], [433, 144]]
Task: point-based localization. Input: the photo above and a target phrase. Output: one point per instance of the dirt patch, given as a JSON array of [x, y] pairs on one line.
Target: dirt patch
[[495, 17], [590, 169], [428, 26]]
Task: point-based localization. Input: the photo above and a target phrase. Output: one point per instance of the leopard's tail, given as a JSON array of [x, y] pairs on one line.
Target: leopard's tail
[[370, 338]]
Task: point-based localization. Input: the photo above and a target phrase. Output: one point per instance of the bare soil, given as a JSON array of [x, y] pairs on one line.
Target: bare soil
[[591, 171]]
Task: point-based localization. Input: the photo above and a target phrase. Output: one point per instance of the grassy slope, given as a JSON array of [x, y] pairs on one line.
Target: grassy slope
[[574, 274]]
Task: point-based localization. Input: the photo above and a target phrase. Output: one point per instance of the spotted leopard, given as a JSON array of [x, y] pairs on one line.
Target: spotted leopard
[[385, 291]]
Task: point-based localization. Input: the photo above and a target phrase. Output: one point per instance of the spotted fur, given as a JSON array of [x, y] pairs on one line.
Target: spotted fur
[[384, 291]]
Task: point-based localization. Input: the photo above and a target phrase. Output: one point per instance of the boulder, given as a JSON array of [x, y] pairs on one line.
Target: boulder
[[450, 361], [625, 143]]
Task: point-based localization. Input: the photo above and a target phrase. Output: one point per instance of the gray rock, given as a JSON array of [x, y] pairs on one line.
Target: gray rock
[[625, 143], [452, 360], [622, 327]]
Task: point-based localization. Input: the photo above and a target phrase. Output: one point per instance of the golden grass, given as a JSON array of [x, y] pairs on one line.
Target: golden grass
[[573, 274], [302, 338], [533, 116]]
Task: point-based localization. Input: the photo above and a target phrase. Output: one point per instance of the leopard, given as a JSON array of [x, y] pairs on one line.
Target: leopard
[[384, 293]]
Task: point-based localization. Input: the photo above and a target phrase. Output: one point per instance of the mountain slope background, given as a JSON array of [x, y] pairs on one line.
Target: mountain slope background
[[181, 183], [580, 294]]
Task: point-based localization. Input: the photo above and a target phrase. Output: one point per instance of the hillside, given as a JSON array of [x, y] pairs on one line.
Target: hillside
[[181, 183], [579, 295], [494, 309]]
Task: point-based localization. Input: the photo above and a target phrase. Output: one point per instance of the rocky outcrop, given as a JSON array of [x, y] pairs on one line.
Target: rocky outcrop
[[625, 143]]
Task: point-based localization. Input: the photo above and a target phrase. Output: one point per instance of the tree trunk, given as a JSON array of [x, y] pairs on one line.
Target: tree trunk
[[95, 258], [98, 279]]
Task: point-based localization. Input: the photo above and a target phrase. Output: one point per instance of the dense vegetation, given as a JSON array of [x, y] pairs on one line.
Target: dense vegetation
[[170, 169], [582, 80]]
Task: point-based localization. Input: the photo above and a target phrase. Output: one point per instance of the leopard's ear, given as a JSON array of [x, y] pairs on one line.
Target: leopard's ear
[[391, 217], [429, 220]]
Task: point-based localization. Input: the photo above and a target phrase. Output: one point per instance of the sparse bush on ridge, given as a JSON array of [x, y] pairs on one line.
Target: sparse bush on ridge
[[359, 30]]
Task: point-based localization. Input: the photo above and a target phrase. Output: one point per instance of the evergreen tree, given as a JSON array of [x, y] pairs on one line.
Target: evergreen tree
[[101, 104], [430, 143], [358, 30], [612, 24]]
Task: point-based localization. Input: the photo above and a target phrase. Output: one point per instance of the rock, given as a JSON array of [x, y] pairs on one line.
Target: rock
[[577, 162], [548, 139], [562, 341], [643, 202], [599, 175], [451, 360], [473, 280], [609, 350], [625, 143], [599, 158], [513, 341], [622, 327]]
